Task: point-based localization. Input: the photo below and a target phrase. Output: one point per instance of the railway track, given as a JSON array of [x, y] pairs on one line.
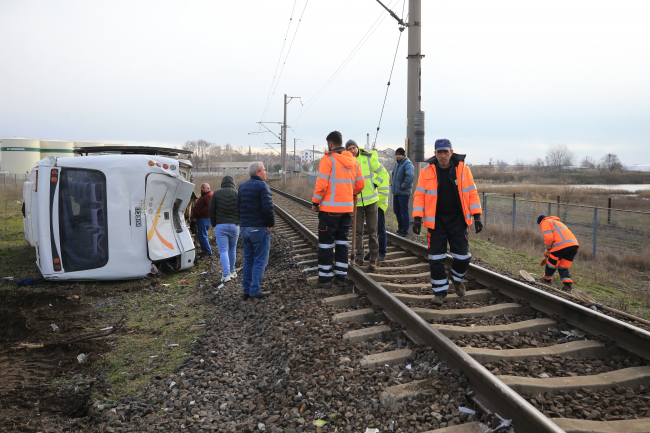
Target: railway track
[[533, 361]]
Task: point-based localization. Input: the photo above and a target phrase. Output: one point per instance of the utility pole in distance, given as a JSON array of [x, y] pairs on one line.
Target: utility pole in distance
[[287, 99]]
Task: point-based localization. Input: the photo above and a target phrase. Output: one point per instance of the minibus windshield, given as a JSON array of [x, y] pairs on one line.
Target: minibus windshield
[[83, 227]]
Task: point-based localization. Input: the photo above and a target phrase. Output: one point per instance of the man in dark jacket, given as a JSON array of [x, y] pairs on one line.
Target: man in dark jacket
[[200, 212], [225, 220], [400, 186], [256, 218]]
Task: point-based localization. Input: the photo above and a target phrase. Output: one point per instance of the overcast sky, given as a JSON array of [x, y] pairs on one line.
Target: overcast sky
[[501, 79]]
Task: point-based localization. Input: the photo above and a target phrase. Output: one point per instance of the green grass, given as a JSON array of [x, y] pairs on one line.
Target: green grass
[[156, 318], [595, 282]]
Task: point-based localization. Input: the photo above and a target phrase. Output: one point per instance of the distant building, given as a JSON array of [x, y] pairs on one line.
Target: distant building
[[638, 167], [307, 156]]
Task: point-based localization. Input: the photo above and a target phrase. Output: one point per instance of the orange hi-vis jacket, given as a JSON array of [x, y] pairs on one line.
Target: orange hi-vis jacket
[[556, 234], [339, 178], [425, 198]]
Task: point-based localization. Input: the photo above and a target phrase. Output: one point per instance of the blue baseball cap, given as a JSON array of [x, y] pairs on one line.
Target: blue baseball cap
[[442, 144], [540, 218]]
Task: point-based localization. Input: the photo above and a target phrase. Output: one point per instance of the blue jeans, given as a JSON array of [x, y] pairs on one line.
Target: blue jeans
[[203, 224], [257, 241], [227, 235], [381, 231], [401, 208]]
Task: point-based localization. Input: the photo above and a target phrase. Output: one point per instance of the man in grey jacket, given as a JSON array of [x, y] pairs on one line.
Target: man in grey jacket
[[400, 187]]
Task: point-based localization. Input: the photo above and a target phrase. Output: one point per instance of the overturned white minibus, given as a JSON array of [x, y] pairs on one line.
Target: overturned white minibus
[[109, 216]]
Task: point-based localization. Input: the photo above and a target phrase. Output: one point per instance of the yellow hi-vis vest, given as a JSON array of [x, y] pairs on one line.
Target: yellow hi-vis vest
[[371, 170]]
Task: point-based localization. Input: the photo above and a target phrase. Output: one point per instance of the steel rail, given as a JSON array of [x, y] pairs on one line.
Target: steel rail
[[625, 335], [491, 391]]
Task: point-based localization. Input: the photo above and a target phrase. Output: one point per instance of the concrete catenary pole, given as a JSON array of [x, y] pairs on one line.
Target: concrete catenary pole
[[413, 88], [284, 144]]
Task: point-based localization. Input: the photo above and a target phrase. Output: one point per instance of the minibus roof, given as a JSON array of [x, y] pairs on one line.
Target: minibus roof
[[133, 150]]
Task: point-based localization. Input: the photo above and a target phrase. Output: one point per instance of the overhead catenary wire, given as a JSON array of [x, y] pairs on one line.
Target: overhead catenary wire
[[355, 50], [401, 30], [269, 97], [289, 49]]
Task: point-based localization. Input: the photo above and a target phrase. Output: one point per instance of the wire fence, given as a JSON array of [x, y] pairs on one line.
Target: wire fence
[[601, 229], [14, 181]]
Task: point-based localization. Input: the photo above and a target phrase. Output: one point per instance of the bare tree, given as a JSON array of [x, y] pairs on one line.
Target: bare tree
[[610, 162], [588, 162], [201, 151], [502, 164], [559, 156], [538, 164]]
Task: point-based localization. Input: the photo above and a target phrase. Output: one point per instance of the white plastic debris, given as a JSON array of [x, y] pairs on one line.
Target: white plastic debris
[[574, 333], [50, 305], [182, 374], [372, 430], [299, 394], [171, 385], [153, 356], [8, 278], [466, 410], [107, 328], [81, 358], [260, 426], [220, 286], [543, 376], [54, 327], [204, 272], [400, 374], [408, 367], [437, 367], [173, 345], [192, 402]]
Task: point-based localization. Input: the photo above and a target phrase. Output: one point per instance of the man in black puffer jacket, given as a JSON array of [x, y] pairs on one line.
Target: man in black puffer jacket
[[225, 220]]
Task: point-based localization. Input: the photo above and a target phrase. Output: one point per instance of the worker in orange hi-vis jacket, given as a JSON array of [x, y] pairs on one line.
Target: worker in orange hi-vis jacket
[[561, 248], [339, 181]]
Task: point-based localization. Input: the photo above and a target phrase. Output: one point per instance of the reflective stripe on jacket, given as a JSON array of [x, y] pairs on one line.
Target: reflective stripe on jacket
[[375, 176], [556, 234], [425, 198], [339, 176]]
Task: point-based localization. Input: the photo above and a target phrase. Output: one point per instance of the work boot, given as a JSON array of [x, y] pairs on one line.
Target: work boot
[[340, 284], [567, 287], [459, 288], [245, 296], [261, 295], [381, 257], [358, 262], [325, 285], [437, 300], [372, 266]]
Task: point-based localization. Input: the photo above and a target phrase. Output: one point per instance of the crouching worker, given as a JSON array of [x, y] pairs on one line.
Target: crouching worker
[[339, 181], [561, 248], [446, 198]]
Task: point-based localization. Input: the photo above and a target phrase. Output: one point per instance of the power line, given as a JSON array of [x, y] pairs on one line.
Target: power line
[[289, 50], [268, 98], [354, 51], [401, 30]]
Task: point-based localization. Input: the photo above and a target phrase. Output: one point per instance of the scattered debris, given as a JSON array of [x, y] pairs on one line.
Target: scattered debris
[[81, 358], [54, 327]]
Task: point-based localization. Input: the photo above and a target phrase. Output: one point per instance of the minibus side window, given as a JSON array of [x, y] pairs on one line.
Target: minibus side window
[[83, 226]]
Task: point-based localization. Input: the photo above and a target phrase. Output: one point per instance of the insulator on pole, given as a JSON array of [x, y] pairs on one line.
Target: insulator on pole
[[418, 148]]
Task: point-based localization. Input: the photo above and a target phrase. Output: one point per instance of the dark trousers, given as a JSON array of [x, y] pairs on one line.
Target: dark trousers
[[381, 231], [401, 208], [452, 230], [333, 245], [562, 261]]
